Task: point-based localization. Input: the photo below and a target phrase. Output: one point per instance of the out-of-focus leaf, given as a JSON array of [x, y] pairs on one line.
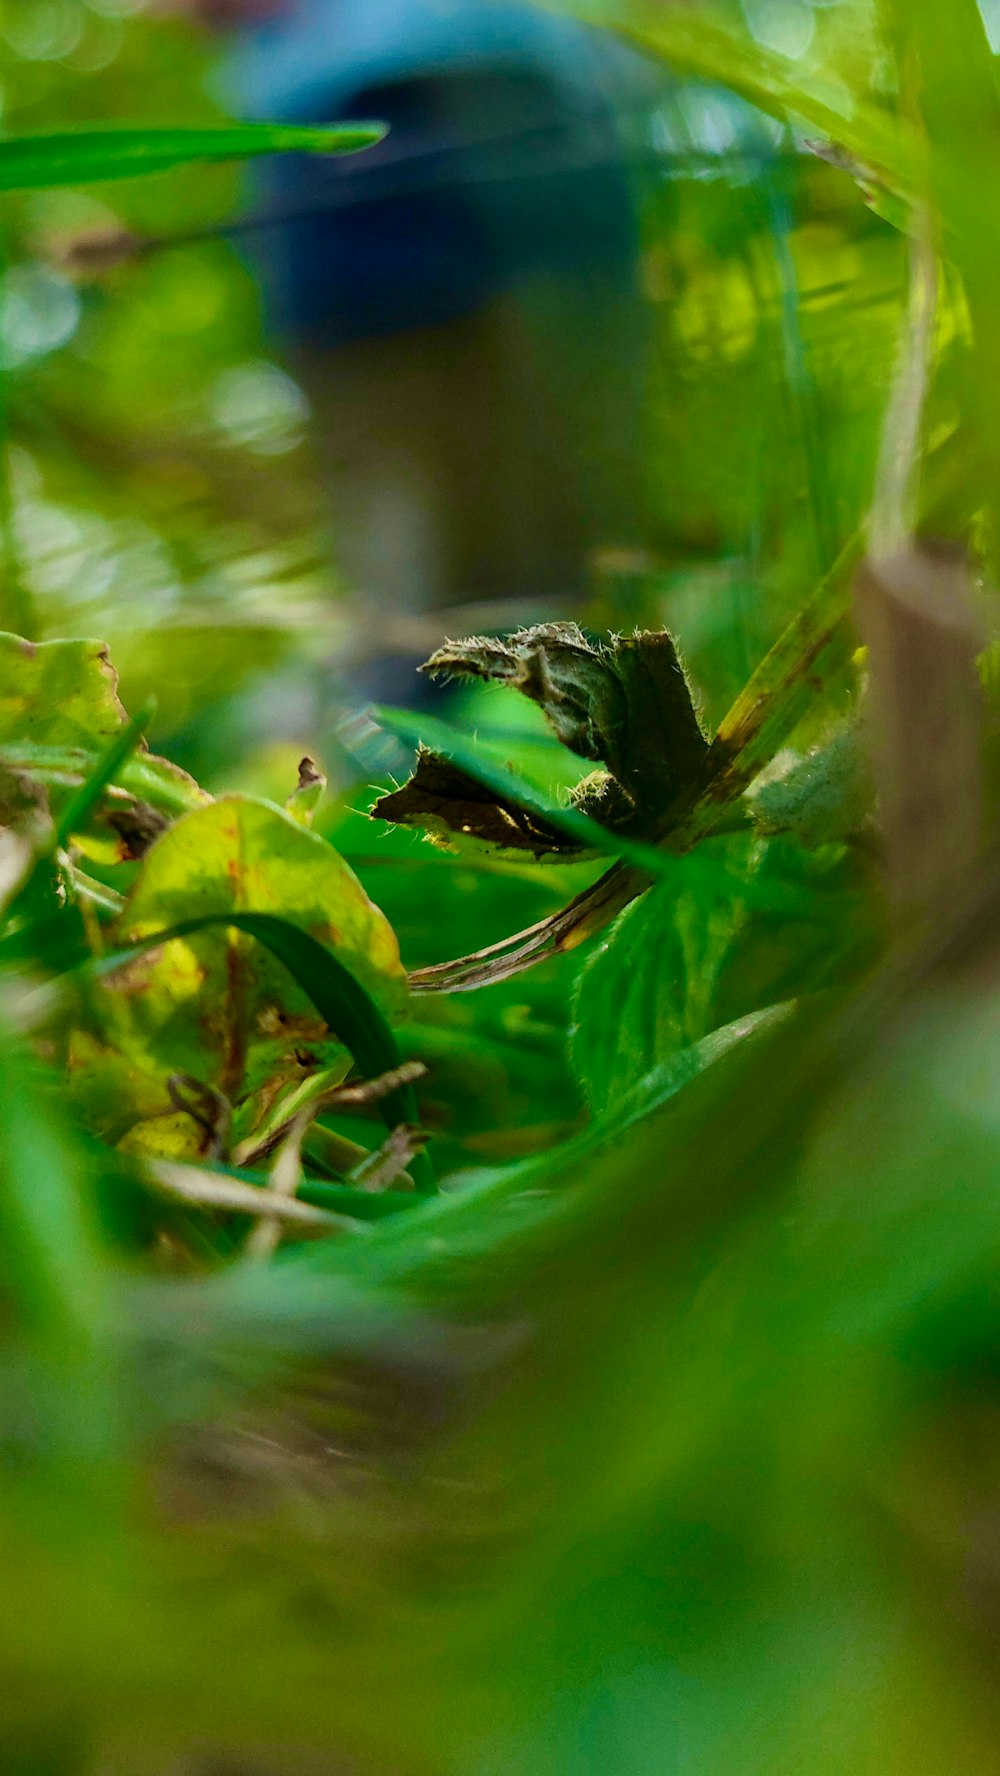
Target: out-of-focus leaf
[[61, 721], [818, 798], [210, 1005], [669, 1077], [32, 900], [73, 818], [58, 693], [894, 209], [133, 811], [218, 1191], [684, 961], [692, 43], [52, 1270], [184, 664], [83, 157], [66, 748]]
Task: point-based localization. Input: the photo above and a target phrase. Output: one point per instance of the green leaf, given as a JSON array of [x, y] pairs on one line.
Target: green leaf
[[211, 1006], [346, 1008], [648, 991], [34, 896], [669, 1077], [682, 963], [83, 157], [147, 794], [76, 814], [52, 1270], [58, 693]]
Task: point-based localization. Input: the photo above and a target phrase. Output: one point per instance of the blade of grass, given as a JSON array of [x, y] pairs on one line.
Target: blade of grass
[[53, 1272], [86, 157], [81, 805]]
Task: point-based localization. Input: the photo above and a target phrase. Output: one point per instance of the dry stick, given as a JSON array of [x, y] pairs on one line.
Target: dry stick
[[286, 1176], [377, 1172], [917, 613], [207, 1190], [362, 1095], [380, 1170], [894, 506]]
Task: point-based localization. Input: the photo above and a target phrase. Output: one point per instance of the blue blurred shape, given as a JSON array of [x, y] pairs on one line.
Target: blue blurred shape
[[505, 158]]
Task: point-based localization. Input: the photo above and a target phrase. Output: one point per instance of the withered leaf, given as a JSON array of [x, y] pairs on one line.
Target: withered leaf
[[445, 801], [623, 703]]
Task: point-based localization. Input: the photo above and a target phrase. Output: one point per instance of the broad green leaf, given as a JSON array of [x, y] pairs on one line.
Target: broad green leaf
[[669, 1077], [682, 963], [213, 1005], [58, 693], [648, 991], [348, 1011], [84, 157]]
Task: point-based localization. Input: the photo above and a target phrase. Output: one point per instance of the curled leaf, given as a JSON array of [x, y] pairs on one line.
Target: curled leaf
[[447, 802], [812, 650], [623, 704]]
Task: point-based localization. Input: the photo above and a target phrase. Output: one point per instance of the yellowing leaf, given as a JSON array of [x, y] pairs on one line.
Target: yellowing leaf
[[58, 693], [217, 1007]]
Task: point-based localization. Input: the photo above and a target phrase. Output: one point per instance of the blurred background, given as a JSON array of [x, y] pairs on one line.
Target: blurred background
[[676, 1453], [581, 338]]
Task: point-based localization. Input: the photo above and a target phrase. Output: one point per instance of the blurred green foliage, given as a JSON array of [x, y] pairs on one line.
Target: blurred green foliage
[[656, 1429]]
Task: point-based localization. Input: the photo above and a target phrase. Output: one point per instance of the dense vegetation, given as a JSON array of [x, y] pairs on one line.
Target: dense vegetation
[[507, 1281]]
